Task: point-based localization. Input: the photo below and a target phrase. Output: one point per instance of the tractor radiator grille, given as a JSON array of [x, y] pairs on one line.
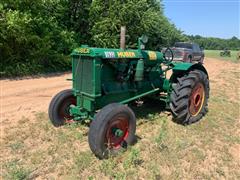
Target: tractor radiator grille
[[83, 74]]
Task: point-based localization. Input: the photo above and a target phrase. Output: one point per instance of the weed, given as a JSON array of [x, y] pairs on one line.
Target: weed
[[37, 157], [132, 159], [155, 171], [162, 135], [16, 146], [62, 137], [182, 144], [15, 171], [41, 115], [83, 160], [232, 139], [151, 116], [46, 127], [120, 176], [90, 178], [198, 154], [108, 166], [73, 126]]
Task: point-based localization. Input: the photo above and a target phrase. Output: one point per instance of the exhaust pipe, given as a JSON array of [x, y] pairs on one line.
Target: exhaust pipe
[[123, 37]]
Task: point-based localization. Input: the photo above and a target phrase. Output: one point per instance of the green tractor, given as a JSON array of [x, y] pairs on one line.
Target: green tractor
[[225, 53], [105, 81]]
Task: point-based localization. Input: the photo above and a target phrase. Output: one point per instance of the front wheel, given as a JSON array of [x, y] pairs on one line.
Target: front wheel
[[189, 97], [59, 107], [112, 130]]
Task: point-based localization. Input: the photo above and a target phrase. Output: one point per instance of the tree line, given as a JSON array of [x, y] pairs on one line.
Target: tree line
[[38, 36], [211, 43]]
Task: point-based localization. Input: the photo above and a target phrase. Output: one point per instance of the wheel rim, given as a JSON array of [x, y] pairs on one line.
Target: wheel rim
[[64, 113], [196, 99], [117, 131]]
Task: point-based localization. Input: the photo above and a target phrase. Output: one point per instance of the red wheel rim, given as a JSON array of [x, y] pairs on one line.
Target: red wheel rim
[[196, 99], [119, 123], [64, 109]]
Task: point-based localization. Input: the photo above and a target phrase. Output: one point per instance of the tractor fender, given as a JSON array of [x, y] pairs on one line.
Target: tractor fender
[[179, 69], [200, 67]]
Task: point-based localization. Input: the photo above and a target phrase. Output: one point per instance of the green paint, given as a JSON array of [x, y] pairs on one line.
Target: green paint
[[166, 85], [139, 70], [117, 132], [185, 67], [140, 95], [181, 66]]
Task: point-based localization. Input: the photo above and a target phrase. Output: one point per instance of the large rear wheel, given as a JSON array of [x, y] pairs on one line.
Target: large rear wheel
[[112, 130], [189, 97], [58, 110]]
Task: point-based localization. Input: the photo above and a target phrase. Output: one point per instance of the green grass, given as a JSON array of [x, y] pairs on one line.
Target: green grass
[[209, 149], [216, 54], [15, 170]]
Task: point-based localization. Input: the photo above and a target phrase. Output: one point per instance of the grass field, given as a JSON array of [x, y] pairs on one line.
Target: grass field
[[32, 148], [216, 54]]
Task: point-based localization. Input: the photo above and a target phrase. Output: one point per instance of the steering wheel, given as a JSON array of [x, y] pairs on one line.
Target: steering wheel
[[169, 58]]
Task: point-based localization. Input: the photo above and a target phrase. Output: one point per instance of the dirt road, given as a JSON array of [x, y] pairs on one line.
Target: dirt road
[[23, 98]]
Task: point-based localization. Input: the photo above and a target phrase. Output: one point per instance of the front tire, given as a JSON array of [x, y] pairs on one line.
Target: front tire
[[58, 110], [112, 130], [189, 97]]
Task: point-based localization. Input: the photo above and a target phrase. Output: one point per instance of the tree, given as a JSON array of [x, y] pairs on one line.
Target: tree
[[31, 38], [139, 16]]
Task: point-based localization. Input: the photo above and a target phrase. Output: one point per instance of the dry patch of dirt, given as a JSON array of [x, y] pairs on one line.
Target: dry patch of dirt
[[23, 98], [224, 75]]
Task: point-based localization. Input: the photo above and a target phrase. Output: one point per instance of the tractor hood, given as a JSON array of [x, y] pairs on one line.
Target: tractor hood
[[105, 53]]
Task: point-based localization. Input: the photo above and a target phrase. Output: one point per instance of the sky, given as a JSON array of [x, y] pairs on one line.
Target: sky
[[208, 18]]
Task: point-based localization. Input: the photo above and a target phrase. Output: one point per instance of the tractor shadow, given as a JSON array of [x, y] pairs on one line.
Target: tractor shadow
[[147, 112], [149, 109]]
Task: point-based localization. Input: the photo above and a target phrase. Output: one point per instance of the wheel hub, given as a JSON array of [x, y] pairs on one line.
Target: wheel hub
[[117, 131], [196, 99], [65, 110]]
